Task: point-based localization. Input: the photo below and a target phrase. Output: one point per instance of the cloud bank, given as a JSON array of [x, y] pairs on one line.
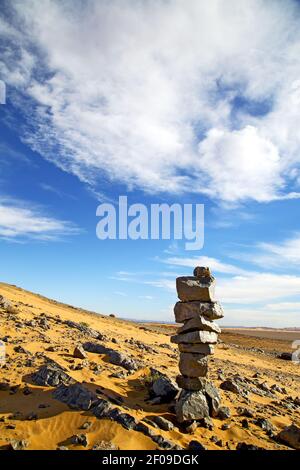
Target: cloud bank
[[161, 96]]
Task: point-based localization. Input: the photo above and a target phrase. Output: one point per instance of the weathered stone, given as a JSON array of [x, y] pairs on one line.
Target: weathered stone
[[196, 446], [245, 446], [191, 406], [114, 357], [76, 396], [290, 436], [7, 305], [192, 288], [199, 323], [186, 310], [195, 337], [164, 388], [189, 383], [193, 365], [79, 352], [162, 423], [230, 386], [51, 375], [199, 348], [223, 413]]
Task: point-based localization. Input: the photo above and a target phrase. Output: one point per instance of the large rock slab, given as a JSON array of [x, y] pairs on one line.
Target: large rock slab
[[186, 310], [76, 396], [198, 348], [199, 323], [191, 406], [51, 375], [290, 436], [192, 288], [195, 337], [193, 365]]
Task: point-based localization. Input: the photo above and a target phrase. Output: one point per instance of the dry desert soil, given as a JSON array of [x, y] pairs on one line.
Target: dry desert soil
[[39, 331]]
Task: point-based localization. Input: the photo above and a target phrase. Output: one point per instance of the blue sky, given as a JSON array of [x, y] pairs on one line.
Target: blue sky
[[162, 102]]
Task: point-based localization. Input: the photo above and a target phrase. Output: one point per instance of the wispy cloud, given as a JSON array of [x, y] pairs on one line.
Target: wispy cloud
[[19, 221], [213, 263], [150, 93]]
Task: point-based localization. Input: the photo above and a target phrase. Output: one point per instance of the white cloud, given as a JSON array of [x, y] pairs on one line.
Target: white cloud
[[257, 287], [285, 254], [131, 89], [18, 221], [214, 264], [284, 306]]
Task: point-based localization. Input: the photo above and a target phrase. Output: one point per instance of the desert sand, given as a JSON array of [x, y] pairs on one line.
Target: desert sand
[[29, 413]]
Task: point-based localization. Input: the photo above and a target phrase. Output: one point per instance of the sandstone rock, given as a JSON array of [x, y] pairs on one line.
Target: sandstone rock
[[51, 375], [199, 323], [162, 423], [196, 446], [230, 386], [191, 406], [223, 413], [290, 436], [79, 352], [186, 310], [76, 396], [193, 365], [198, 348], [192, 288], [7, 305], [195, 337], [79, 440]]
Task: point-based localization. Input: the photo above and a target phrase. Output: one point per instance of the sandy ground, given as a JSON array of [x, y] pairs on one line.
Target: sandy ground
[[29, 412]]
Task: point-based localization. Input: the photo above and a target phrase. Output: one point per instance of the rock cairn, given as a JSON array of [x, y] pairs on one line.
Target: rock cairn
[[196, 309]]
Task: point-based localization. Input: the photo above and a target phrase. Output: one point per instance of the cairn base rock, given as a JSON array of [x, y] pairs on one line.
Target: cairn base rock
[[193, 365], [191, 406]]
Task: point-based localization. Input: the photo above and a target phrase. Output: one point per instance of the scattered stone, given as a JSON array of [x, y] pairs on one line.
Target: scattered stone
[[162, 423], [164, 388], [286, 356], [230, 386], [79, 440], [51, 375], [264, 424], [193, 365], [76, 396], [79, 352], [223, 413], [196, 446], [195, 337], [191, 406], [245, 412], [18, 445], [290, 436], [245, 446]]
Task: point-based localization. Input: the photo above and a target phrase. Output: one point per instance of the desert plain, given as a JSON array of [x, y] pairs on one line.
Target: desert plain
[[118, 361]]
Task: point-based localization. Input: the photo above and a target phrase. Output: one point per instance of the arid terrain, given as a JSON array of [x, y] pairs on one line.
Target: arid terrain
[[38, 411]]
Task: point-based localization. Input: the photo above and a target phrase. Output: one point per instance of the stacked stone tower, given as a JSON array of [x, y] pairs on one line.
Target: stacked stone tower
[[196, 309]]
